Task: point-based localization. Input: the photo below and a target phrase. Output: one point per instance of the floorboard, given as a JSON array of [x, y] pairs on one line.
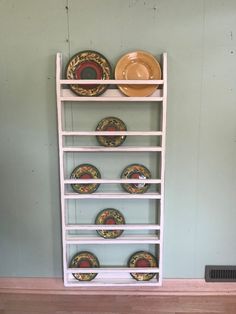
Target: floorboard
[[97, 304]]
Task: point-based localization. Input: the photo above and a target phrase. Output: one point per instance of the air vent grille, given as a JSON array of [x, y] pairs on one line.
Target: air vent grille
[[220, 273]]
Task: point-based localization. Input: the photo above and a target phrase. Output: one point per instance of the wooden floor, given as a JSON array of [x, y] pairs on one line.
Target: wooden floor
[[99, 304]]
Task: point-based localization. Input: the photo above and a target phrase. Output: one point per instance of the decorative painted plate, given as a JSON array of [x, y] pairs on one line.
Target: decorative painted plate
[[111, 124], [110, 216], [135, 171], [85, 171], [89, 65], [138, 65], [84, 259], [142, 259]]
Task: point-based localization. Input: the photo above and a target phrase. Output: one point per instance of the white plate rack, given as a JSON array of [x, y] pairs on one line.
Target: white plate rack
[[72, 233]]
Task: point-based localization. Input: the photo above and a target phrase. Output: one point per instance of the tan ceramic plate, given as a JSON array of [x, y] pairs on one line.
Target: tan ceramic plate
[[138, 65]]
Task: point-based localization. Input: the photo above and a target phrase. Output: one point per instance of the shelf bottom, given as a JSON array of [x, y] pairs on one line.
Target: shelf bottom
[[112, 280]]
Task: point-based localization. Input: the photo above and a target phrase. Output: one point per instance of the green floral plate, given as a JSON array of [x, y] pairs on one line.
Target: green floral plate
[[85, 171], [84, 259], [142, 259], [109, 216], [111, 124], [136, 171]]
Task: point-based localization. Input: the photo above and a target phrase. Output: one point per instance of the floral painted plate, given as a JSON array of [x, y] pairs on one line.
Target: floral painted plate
[[109, 216], [84, 260], [89, 65], [142, 259], [135, 171], [111, 124], [85, 171], [138, 65]]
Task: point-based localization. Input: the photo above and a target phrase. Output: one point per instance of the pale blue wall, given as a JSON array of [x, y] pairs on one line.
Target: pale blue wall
[[200, 38]]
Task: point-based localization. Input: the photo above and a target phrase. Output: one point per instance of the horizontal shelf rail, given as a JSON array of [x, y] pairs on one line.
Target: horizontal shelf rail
[[113, 98], [111, 133], [131, 239], [113, 227], [113, 149], [111, 95], [113, 270], [108, 82], [99, 195], [107, 181]]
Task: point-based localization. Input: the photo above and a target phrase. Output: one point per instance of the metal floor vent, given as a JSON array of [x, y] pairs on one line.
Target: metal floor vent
[[220, 273]]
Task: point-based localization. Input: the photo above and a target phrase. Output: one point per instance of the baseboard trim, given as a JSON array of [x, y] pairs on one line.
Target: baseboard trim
[[171, 287]]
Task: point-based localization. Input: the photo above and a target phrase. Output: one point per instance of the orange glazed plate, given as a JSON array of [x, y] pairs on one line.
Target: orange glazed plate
[[138, 65]]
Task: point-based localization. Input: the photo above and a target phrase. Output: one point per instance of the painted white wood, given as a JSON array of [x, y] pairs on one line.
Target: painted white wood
[[112, 282], [163, 143], [60, 117], [99, 195], [111, 133], [113, 149], [128, 239], [106, 82], [110, 95], [111, 276], [114, 227], [110, 99], [109, 181], [113, 270]]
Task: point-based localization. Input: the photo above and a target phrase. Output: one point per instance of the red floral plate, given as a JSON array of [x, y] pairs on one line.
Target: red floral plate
[[111, 124], [85, 171], [84, 260], [135, 171], [87, 65], [110, 216], [142, 259]]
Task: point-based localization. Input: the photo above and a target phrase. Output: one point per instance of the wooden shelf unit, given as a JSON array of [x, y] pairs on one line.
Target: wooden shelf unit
[[113, 275]]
